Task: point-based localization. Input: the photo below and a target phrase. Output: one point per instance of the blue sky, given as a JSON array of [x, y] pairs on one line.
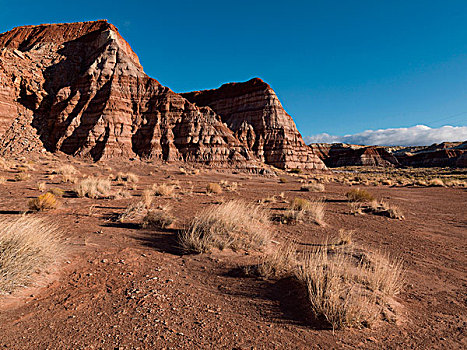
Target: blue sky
[[338, 67]]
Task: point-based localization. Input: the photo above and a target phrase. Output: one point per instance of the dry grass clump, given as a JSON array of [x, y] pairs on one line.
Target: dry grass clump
[[22, 176], [122, 193], [302, 209], [2, 180], [348, 289], [436, 183], [229, 186], [147, 197], [133, 211], [127, 177], [66, 169], [358, 195], [295, 171], [4, 164], [312, 187], [280, 263], [163, 190], [93, 187], [378, 208], [41, 186], [300, 204], [283, 180], [234, 224], [45, 201], [157, 218], [213, 188], [28, 245], [57, 192], [384, 209], [345, 285]]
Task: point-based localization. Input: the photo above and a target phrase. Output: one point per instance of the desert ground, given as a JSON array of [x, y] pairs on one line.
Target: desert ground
[[117, 284]]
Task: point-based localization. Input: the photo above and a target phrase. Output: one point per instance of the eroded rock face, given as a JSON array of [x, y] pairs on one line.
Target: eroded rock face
[[451, 154], [339, 154], [82, 89], [89, 96], [254, 113]]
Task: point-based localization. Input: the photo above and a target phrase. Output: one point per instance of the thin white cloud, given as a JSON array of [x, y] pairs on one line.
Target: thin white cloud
[[419, 135]]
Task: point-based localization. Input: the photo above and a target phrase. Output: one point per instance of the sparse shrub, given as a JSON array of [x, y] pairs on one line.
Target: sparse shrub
[[45, 201], [346, 289], [27, 245], [436, 183], [300, 204], [122, 193], [384, 209], [22, 176], [66, 169], [358, 195], [2, 180], [213, 188], [41, 186], [302, 209], [420, 183], [387, 182], [133, 212], [93, 187], [147, 197], [234, 225], [283, 180], [229, 187], [128, 177], [280, 263], [356, 208], [312, 187], [163, 190], [57, 192], [296, 171], [157, 218]]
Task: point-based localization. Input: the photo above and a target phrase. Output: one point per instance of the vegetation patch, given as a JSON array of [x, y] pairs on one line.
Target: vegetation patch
[[28, 245], [359, 195], [45, 201], [234, 225]]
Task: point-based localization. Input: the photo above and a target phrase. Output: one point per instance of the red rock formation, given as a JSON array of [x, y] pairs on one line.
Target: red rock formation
[[88, 95], [83, 90], [339, 154], [453, 154], [254, 113]]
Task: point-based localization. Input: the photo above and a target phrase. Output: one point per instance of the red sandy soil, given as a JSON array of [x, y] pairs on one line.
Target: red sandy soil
[[124, 287]]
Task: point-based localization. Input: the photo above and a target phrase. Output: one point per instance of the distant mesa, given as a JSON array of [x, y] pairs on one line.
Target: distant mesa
[[78, 88], [446, 154]]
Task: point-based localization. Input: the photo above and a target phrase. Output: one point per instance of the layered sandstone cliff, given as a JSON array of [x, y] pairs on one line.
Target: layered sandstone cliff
[[446, 154], [254, 113], [79, 88], [339, 154]]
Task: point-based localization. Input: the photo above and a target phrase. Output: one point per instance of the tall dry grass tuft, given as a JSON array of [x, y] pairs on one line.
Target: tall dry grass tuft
[[313, 187], [348, 289], [128, 177], [93, 187], [279, 263], [213, 188], [28, 245], [234, 225], [302, 209], [358, 195], [158, 218], [163, 190], [147, 197], [45, 201]]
